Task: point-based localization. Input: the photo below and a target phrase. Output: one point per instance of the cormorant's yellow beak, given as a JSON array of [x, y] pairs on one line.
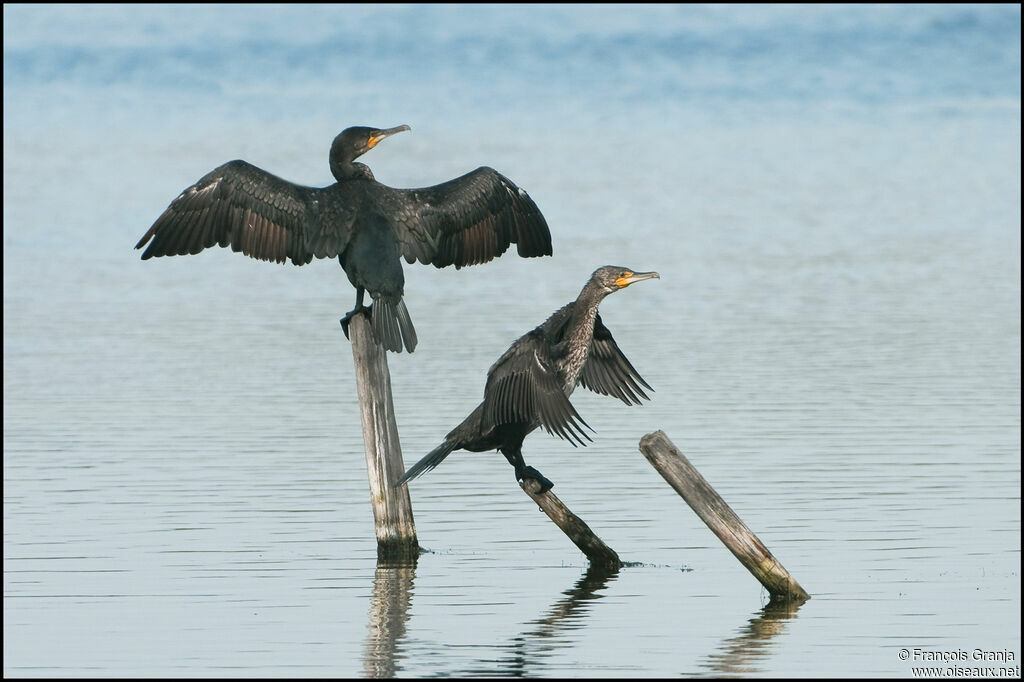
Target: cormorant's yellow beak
[[627, 278], [379, 135]]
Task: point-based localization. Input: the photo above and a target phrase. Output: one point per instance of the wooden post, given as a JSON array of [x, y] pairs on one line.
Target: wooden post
[[712, 509], [599, 553], [392, 508]]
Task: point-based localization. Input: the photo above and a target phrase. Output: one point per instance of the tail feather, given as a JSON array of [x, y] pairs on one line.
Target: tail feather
[[405, 325], [392, 325], [431, 460]]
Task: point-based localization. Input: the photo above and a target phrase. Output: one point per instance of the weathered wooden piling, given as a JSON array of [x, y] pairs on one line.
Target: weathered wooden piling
[[573, 526], [666, 458], [392, 508]]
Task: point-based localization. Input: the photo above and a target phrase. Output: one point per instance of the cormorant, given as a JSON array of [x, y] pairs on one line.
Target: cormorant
[[366, 225], [530, 384]]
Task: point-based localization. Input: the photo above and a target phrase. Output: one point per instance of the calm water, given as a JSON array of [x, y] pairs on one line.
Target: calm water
[[831, 195]]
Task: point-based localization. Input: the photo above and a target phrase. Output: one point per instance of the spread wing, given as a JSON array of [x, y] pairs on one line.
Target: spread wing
[[523, 387], [608, 372], [469, 220], [252, 211]]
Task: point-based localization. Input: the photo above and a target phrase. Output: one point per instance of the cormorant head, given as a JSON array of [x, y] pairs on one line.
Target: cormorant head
[[614, 277], [352, 143], [356, 141]]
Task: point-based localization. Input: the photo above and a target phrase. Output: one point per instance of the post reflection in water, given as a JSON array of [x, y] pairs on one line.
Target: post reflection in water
[[741, 654], [529, 649], [389, 612]]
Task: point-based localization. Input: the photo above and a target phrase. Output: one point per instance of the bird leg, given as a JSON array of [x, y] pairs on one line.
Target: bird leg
[[515, 458], [355, 311]]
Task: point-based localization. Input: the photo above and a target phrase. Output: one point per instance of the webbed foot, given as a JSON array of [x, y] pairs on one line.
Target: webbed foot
[[368, 309], [530, 472]]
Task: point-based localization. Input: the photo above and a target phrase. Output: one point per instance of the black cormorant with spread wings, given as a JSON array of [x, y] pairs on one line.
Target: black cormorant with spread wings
[[368, 226], [530, 385]]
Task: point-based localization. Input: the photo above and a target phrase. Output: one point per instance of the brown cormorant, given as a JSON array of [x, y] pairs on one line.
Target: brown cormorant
[[530, 385], [366, 225]]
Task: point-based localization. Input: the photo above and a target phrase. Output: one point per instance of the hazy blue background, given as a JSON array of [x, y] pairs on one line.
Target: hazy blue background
[[830, 193]]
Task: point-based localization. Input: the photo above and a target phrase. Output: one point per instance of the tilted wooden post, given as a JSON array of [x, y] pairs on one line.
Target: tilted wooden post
[[572, 525], [722, 520], [392, 508]]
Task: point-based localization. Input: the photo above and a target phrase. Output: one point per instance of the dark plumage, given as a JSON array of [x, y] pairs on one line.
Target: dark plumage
[[366, 225], [530, 385]]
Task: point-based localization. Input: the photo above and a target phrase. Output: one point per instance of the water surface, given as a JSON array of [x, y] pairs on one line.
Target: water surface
[[831, 195]]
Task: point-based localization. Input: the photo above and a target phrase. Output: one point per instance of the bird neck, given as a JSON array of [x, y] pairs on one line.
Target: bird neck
[[346, 169], [579, 335]]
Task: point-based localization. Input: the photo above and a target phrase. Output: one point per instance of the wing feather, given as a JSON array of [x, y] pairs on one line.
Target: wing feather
[[469, 220], [608, 372], [523, 388], [252, 211]]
